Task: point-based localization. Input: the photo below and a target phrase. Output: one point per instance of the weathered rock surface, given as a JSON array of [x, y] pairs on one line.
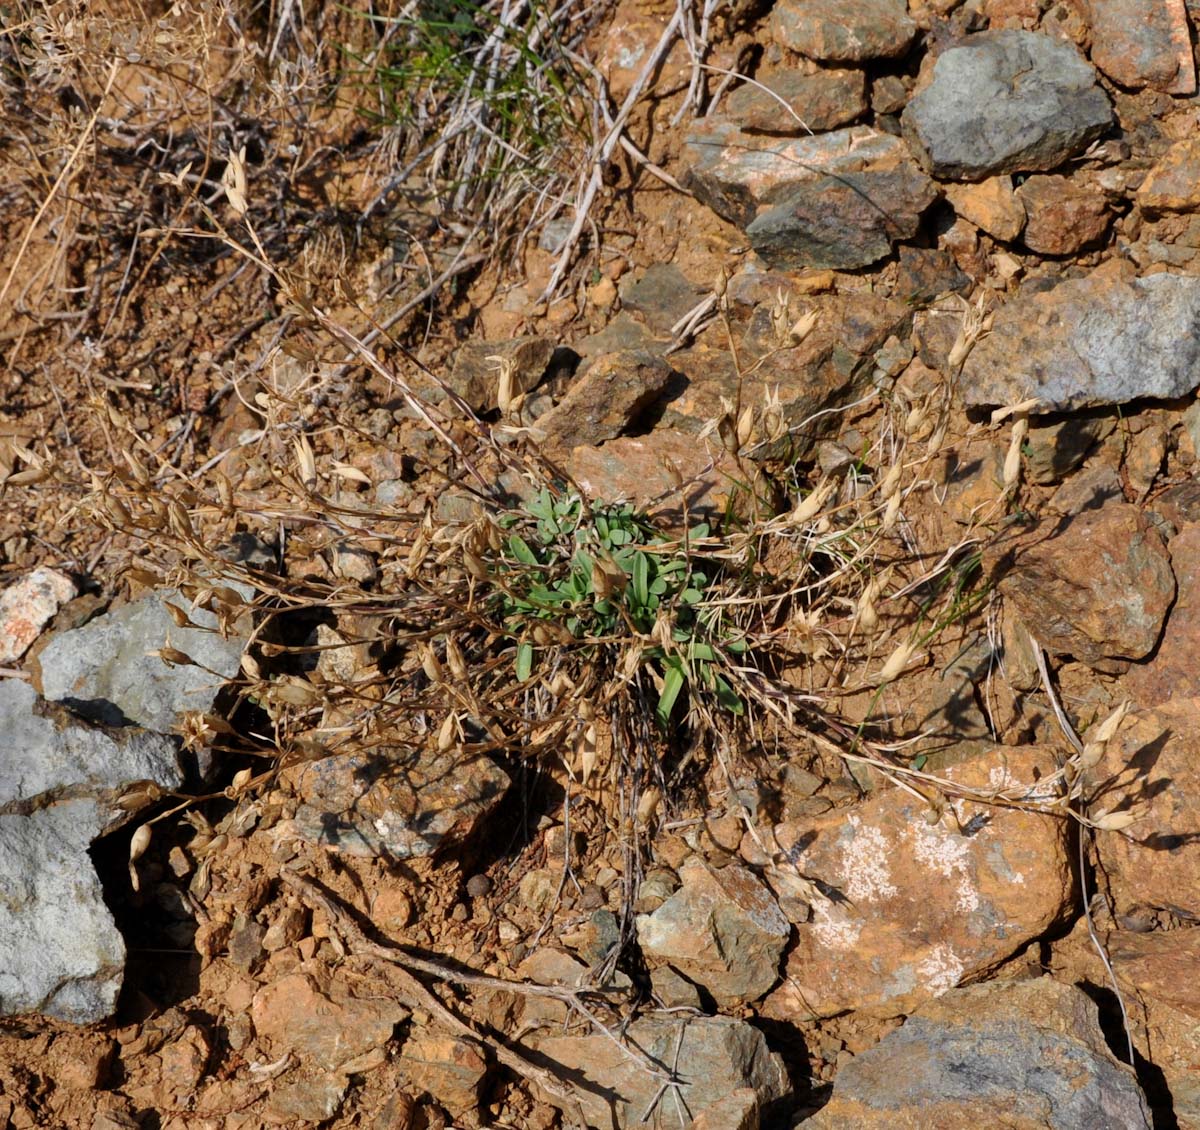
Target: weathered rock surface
[[1173, 185], [1089, 342], [1172, 671], [446, 1067], [794, 102], [662, 296], [27, 606], [475, 374], [735, 172], [721, 929], [1152, 767], [913, 908], [1096, 586], [1055, 449], [843, 30], [606, 400], [1005, 102], [1026, 1055], [643, 469], [990, 205], [59, 781], [1143, 43], [845, 221], [1157, 972], [322, 1024], [103, 671], [714, 1055], [821, 371], [1062, 217], [394, 802]]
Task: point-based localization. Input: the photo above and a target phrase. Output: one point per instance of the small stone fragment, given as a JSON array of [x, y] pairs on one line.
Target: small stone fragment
[[446, 1067], [1173, 185], [394, 802], [294, 1015], [606, 400], [990, 205], [309, 1100], [1141, 43], [27, 606], [1089, 342], [1062, 218], [912, 905], [716, 1055]]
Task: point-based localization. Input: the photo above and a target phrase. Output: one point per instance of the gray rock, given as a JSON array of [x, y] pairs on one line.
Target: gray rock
[[1054, 450], [393, 803], [662, 296], [1022, 1054], [736, 172], [713, 1055], [721, 929], [59, 778], [1003, 102], [1089, 342], [843, 30], [845, 221], [102, 671], [475, 373]]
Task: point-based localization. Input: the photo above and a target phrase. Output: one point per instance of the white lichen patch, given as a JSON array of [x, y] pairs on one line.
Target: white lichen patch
[[950, 856], [941, 969], [866, 873], [834, 927]]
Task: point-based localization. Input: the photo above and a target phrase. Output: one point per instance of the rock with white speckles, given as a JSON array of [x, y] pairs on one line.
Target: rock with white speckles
[[914, 908]]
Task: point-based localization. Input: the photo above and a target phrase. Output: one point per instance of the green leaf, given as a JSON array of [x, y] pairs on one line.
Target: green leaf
[[641, 579], [691, 596], [674, 680], [701, 652], [619, 536], [699, 530], [658, 586], [728, 698], [524, 661], [518, 547], [919, 761]]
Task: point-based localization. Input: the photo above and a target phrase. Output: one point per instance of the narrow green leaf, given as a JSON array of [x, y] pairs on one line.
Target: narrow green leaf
[[641, 579], [699, 530], [524, 661], [674, 680], [728, 698]]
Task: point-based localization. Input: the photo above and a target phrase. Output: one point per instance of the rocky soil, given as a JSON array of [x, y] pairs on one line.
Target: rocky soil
[[926, 287]]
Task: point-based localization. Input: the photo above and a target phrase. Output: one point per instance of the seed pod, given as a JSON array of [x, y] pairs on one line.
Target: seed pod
[[648, 804], [896, 662], [448, 732], [137, 848], [802, 327], [177, 517], [890, 514], [241, 779], [1114, 821], [117, 512], [173, 657], [891, 481], [250, 666], [431, 665], [474, 565], [454, 657]]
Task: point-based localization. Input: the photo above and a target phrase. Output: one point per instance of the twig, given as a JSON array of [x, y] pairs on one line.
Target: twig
[[419, 996]]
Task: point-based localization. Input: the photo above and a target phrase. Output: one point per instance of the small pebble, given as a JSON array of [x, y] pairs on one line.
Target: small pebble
[[478, 886]]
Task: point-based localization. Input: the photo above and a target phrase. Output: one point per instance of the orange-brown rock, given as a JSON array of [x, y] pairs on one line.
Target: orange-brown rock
[[1062, 218], [914, 907], [1173, 185], [1152, 769], [991, 205]]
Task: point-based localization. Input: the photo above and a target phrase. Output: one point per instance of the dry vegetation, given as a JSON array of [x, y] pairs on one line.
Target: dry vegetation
[[238, 232]]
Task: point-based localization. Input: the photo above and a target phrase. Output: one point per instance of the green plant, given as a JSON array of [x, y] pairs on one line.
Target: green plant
[[603, 576]]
